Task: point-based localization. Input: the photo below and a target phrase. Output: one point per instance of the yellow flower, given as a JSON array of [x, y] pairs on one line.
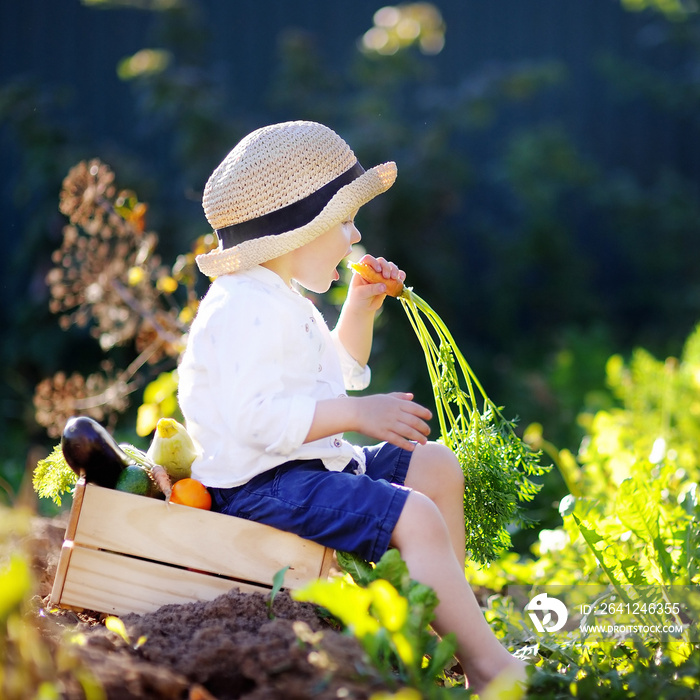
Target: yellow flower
[[166, 284], [135, 276]]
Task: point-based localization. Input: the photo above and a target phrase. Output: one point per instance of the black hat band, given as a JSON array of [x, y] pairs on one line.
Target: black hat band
[[288, 218]]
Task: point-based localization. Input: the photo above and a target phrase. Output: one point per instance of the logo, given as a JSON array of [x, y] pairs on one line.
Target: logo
[[544, 605]]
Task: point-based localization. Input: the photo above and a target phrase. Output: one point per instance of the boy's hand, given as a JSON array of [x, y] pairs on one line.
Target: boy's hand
[[367, 296], [393, 418], [364, 298]]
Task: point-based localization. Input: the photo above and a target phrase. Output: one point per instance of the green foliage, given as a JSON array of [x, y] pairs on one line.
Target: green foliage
[[277, 583], [496, 212], [673, 9], [159, 401], [53, 477], [633, 530], [29, 665], [177, 93], [496, 463], [115, 625], [514, 205], [390, 614], [608, 667], [656, 427]]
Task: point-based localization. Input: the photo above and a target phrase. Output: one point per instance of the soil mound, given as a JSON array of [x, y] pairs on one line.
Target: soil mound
[[235, 646]]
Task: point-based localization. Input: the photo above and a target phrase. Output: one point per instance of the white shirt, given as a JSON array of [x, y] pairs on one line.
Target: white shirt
[[259, 357]]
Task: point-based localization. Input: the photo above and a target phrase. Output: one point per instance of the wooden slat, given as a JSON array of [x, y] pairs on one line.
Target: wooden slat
[[78, 495], [115, 584], [61, 572], [67, 548], [326, 563], [194, 538]]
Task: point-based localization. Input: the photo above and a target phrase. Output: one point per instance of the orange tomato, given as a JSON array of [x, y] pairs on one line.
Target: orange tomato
[[190, 492]]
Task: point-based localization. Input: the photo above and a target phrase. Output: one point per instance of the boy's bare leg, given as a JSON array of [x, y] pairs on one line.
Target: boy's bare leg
[[435, 472], [422, 537]]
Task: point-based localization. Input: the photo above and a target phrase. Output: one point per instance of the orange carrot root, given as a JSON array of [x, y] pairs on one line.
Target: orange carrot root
[[394, 288]]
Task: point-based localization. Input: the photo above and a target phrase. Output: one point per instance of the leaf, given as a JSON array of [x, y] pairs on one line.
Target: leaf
[[679, 651], [592, 538], [349, 603], [53, 477], [361, 571], [633, 572], [147, 417], [114, 624], [569, 468], [403, 648], [388, 605], [567, 505], [639, 510], [689, 498], [393, 568], [443, 653], [15, 584], [635, 507], [507, 685], [690, 559], [422, 600], [277, 583]]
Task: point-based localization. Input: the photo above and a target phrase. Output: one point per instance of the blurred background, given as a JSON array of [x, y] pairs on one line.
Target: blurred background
[[547, 205]]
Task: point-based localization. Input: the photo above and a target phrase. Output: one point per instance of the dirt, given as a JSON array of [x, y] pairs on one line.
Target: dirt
[[235, 646]]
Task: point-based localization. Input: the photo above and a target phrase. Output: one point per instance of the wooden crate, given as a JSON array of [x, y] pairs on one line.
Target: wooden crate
[[124, 553]]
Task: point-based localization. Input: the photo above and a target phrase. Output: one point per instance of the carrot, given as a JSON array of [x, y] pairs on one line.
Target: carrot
[[394, 288], [496, 463], [162, 480]]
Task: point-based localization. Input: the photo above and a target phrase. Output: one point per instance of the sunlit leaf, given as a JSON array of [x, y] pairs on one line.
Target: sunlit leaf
[[348, 603], [15, 583], [277, 583], [142, 63], [47, 691], [114, 624], [167, 284], [161, 388], [135, 276], [360, 570], [567, 505], [147, 416], [53, 477], [637, 510], [390, 607], [393, 568], [403, 648]]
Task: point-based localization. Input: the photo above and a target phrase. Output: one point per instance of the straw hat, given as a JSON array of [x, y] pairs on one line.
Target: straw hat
[[281, 187]]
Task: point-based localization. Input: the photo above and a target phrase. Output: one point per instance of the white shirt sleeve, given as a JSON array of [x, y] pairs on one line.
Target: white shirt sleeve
[[355, 375]]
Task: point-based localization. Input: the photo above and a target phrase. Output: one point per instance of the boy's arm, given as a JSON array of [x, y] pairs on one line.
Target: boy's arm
[[393, 418], [356, 322]]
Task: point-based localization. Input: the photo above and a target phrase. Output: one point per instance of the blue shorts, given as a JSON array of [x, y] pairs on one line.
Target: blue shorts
[[341, 510]]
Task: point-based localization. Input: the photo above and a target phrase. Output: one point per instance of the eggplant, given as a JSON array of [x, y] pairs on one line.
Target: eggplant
[[88, 448]]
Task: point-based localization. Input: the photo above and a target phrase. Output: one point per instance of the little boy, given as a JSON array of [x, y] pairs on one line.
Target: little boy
[[263, 381]]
